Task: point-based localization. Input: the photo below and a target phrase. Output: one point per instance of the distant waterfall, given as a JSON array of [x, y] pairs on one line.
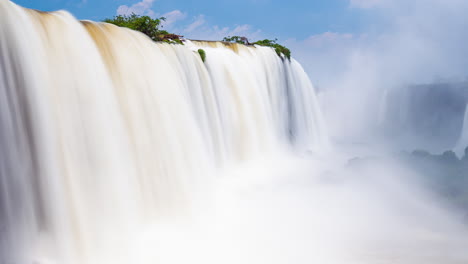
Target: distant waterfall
[[463, 140], [103, 131]]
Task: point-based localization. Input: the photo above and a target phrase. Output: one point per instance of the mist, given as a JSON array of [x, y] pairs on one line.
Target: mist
[[318, 211], [406, 43], [145, 153], [394, 99]]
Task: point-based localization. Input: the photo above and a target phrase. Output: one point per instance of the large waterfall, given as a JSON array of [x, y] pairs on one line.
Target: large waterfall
[[104, 133]]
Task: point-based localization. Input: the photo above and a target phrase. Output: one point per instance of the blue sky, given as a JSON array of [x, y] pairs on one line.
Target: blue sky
[[256, 18]]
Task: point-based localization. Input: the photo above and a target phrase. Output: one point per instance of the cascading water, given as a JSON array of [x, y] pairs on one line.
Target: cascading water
[[462, 143], [105, 133]]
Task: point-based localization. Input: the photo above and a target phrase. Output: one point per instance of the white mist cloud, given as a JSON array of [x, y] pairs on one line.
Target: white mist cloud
[[304, 211], [407, 42], [325, 56]]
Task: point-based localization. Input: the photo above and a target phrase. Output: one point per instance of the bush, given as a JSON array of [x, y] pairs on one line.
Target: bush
[[237, 39], [202, 54], [280, 49], [146, 25]]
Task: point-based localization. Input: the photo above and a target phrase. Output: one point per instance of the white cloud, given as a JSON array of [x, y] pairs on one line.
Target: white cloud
[[215, 32], [242, 29], [141, 8], [173, 17], [195, 28], [364, 3], [199, 21], [328, 38], [199, 28]]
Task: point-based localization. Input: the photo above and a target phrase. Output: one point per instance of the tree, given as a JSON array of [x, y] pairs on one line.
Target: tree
[[280, 49], [237, 39], [146, 25]]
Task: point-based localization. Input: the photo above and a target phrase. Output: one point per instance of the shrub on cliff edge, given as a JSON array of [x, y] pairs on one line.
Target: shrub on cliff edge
[[146, 25]]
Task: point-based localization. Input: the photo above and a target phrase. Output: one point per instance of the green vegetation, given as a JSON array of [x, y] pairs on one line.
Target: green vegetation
[[279, 49], [152, 28], [202, 54], [237, 39], [146, 25]]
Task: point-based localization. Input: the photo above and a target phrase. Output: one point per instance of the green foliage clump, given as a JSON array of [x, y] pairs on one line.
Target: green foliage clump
[[202, 54], [146, 25], [280, 49], [237, 39]]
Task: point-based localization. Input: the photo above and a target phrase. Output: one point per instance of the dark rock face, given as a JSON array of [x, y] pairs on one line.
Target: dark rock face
[[449, 156], [421, 153], [465, 158]]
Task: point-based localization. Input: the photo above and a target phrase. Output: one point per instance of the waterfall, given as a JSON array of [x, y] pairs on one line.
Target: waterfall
[[104, 132], [462, 143], [382, 108]]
